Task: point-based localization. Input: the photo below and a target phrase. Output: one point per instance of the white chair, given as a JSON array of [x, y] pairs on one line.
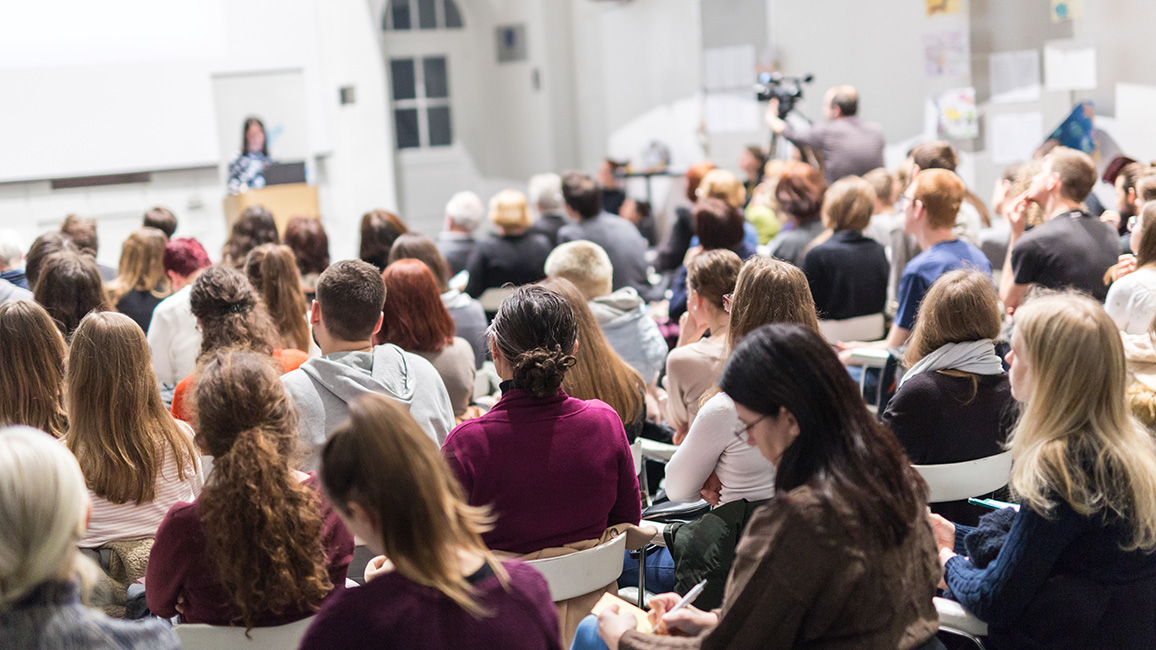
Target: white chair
[[657, 450], [196, 636], [578, 574], [957, 481], [954, 619], [871, 327], [869, 358], [492, 298]]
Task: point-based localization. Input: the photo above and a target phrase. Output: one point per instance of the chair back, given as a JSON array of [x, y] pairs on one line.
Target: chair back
[[196, 636], [954, 619], [956, 481], [578, 574], [492, 298], [871, 327]]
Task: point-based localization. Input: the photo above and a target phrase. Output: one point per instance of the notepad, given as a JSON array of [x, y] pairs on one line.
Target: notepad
[[642, 622]]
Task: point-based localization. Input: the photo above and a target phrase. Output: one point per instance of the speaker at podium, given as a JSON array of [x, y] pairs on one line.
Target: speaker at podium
[[286, 195]]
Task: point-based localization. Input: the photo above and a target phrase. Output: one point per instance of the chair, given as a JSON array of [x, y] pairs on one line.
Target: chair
[[492, 298], [885, 362], [581, 573], [957, 481], [861, 328], [197, 636], [954, 619]]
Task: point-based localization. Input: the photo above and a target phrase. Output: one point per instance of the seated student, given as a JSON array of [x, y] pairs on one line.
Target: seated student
[[1076, 569], [848, 272], [82, 232], [464, 213], [379, 229], [800, 197], [939, 154], [345, 316], [694, 365], [930, 203], [717, 225], [1131, 300], [722, 184], [884, 217], [42, 247], [555, 469], [69, 287], [32, 357], [137, 459], [12, 258], [513, 255], [254, 227], [599, 372], [416, 320], [162, 219], [954, 403], [617, 236], [260, 546], [230, 314], [640, 213], [310, 245], [1071, 249], [440, 588], [841, 557], [141, 283], [174, 337], [623, 316], [43, 512], [272, 270], [469, 317], [545, 194], [672, 252]]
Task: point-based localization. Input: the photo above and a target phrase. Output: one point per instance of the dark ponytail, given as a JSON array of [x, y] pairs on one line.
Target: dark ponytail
[[535, 330]]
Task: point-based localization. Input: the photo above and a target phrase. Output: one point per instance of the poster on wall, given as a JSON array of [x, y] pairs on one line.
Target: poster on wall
[[942, 7], [958, 119], [1015, 77], [1069, 68], [1063, 10], [947, 54]]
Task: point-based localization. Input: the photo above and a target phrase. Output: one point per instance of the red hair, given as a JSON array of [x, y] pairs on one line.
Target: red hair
[[414, 317]]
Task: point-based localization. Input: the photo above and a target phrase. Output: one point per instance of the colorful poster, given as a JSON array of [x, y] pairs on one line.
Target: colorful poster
[[958, 119], [942, 7], [947, 54], [1063, 10], [1075, 131]]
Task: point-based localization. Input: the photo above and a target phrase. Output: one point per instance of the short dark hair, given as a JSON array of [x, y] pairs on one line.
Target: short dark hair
[[846, 99], [82, 232], [162, 219], [582, 194], [937, 154], [1076, 170], [379, 229], [42, 247], [717, 224], [416, 246], [310, 243], [351, 294]]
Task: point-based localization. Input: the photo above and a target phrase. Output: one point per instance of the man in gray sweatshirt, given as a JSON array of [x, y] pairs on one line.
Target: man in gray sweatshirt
[[345, 316]]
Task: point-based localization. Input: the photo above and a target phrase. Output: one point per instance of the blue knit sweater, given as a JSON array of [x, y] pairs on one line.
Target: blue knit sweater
[[52, 618]]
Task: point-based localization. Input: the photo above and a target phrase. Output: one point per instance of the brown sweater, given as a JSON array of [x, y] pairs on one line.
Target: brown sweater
[[805, 576]]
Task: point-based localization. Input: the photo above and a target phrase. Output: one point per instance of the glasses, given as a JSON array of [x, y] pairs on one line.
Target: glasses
[[743, 430], [1133, 224], [727, 300]]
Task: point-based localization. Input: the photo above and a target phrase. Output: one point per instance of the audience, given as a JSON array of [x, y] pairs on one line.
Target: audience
[[254, 227], [545, 195], [12, 258], [42, 247], [138, 461], [464, 213], [841, 556], [513, 255], [762, 210], [345, 316], [954, 403], [993, 240], [310, 244], [162, 219], [141, 283], [32, 357], [69, 287], [717, 225], [617, 236], [885, 219], [1076, 567], [640, 214], [800, 197], [848, 272], [272, 270], [43, 514], [612, 194], [82, 232], [259, 546], [379, 229], [173, 336], [554, 469], [672, 253], [1131, 300], [972, 216], [416, 320], [722, 184], [469, 317], [623, 316], [752, 161], [441, 586]]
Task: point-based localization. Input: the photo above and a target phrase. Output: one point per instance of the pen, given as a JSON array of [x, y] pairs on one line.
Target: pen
[[689, 598]]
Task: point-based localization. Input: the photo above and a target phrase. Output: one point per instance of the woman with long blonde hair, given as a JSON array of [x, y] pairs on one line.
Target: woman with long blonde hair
[[260, 546], [272, 270], [141, 282], [32, 357], [441, 586], [137, 459], [1077, 568]]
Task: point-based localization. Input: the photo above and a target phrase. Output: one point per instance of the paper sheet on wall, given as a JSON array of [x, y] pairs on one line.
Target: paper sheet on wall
[[1015, 77], [1134, 125], [731, 113], [1062, 10], [947, 54], [729, 68], [1069, 69], [1015, 136], [958, 119], [942, 7]]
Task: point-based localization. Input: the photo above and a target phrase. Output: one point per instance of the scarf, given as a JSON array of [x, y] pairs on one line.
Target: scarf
[[976, 357]]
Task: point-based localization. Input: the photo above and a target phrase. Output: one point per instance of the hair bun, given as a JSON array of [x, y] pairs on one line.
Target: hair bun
[[540, 371]]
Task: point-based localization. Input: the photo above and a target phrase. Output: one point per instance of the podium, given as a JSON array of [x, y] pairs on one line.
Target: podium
[[283, 201]]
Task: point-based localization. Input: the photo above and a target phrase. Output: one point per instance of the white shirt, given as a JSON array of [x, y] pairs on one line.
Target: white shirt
[[174, 338], [712, 446], [1131, 300]]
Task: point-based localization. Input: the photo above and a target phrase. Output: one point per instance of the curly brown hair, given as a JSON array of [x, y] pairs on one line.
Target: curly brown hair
[[254, 227], [246, 422], [231, 312]]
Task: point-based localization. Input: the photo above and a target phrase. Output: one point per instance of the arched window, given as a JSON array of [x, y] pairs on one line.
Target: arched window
[[404, 15]]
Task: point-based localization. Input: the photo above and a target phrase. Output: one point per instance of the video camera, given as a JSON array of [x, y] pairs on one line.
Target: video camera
[[788, 90]]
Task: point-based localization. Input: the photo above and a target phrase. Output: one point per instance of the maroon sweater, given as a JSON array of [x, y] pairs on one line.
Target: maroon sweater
[[555, 470], [392, 611], [180, 564]]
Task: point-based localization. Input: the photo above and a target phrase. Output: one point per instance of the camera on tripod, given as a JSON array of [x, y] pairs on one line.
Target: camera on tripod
[[788, 90]]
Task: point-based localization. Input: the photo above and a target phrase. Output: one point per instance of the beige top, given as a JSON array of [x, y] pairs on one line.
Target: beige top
[[691, 370], [455, 364]]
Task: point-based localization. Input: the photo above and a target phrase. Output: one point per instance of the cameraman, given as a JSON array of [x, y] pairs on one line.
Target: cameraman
[[847, 146]]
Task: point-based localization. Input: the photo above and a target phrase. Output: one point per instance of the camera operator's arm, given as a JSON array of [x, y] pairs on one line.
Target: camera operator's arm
[[778, 126]]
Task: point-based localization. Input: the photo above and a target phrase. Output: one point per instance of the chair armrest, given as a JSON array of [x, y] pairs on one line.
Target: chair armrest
[[869, 357], [658, 450], [954, 618]]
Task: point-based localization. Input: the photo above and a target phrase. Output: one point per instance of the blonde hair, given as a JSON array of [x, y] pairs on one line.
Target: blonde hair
[[141, 266], [1076, 440], [722, 184], [960, 306], [42, 510], [848, 204], [585, 264], [510, 212]]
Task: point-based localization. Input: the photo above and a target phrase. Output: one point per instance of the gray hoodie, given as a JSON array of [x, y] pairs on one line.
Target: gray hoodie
[[10, 292], [631, 331], [322, 387]]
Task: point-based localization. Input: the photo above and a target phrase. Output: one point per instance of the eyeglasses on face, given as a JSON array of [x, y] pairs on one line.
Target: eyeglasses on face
[[743, 430]]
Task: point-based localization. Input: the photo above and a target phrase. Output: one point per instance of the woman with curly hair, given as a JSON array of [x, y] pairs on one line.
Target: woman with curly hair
[[260, 546], [32, 357], [141, 283], [272, 269], [254, 227]]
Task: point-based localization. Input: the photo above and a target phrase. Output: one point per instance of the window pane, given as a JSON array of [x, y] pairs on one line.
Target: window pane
[[436, 84], [427, 16], [402, 72], [440, 130], [401, 18], [405, 121], [453, 16]]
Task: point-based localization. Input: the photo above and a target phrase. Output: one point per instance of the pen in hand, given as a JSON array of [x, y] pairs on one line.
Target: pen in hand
[[689, 598]]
